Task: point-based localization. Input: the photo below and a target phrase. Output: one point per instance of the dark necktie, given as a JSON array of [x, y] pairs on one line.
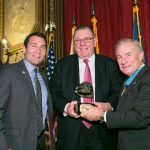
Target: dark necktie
[[87, 78], [39, 102]]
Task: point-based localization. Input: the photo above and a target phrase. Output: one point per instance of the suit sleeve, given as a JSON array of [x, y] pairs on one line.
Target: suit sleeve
[[115, 81], [56, 90], [4, 96]]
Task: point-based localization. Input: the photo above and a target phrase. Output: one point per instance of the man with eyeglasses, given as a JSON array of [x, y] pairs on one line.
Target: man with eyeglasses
[[132, 115], [74, 133]]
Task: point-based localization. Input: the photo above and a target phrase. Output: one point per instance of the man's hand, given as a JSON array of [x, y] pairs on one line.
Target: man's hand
[[91, 113], [103, 106], [71, 109], [94, 113]]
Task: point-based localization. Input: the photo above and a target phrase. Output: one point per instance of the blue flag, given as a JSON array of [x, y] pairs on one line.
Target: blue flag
[[137, 33], [136, 25], [51, 61]]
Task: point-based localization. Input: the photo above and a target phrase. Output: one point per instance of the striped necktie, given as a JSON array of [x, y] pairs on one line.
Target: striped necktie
[[38, 101]]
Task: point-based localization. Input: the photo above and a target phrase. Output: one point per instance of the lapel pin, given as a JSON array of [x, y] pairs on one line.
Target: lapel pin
[[123, 91], [23, 72]]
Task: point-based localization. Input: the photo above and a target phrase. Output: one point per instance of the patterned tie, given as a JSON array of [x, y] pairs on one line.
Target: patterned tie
[[38, 101], [87, 78]]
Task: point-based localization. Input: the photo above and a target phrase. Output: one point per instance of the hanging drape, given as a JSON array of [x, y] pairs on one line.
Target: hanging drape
[[114, 21]]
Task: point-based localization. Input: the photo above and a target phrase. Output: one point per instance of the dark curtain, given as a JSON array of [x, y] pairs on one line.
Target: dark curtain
[[114, 21]]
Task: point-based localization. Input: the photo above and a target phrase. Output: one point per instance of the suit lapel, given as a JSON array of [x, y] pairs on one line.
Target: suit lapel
[[99, 72], [74, 73], [27, 80], [130, 88]]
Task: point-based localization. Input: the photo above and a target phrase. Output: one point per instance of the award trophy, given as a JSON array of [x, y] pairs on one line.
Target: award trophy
[[84, 90]]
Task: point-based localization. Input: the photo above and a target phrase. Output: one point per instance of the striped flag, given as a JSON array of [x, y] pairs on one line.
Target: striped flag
[[51, 60], [50, 66]]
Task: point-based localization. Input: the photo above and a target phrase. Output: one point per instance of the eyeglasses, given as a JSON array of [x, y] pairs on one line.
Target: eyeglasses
[[85, 40]]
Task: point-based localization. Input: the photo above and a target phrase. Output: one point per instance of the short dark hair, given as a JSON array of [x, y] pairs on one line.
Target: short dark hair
[[82, 27], [26, 41]]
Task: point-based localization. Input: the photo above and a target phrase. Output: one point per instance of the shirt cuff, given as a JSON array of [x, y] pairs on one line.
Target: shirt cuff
[[105, 116], [65, 110]]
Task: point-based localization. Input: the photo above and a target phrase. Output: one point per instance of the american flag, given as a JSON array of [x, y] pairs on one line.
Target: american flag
[[51, 61], [50, 65]]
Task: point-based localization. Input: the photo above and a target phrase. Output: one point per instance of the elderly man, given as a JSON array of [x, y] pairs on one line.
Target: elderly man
[[132, 117], [74, 133]]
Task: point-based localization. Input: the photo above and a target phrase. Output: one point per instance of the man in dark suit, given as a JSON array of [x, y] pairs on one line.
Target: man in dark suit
[[69, 73], [19, 111], [132, 117]]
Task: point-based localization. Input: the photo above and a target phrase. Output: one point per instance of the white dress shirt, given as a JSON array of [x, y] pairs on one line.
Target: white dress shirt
[[82, 66]]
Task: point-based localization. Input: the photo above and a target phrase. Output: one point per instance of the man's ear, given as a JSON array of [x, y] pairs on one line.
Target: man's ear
[[142, 55], [24, 50]]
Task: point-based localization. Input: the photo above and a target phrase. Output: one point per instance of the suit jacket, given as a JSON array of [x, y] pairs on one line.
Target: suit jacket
[[62, 85], [132, 117], [18, 111]]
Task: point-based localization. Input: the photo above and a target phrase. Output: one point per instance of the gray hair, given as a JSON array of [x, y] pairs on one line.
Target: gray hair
[[128, 40]]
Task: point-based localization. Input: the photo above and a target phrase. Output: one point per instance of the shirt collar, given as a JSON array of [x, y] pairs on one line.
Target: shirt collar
[[138, 69], [91, 59], [29, 66], [129, 80]]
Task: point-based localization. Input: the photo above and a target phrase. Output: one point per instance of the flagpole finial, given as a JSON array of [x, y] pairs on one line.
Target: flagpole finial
[[92, 11], [50, 26], [73, 20], [135, 2]]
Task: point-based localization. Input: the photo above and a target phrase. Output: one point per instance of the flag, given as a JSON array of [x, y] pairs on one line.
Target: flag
[[72, 50], [94, 22], [51, 60], [137, 33], [136, 25], [50, 66]]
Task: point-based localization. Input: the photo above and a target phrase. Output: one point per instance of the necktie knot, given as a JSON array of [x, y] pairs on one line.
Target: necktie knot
[[35, 71], [86, 61], [87, 73]]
